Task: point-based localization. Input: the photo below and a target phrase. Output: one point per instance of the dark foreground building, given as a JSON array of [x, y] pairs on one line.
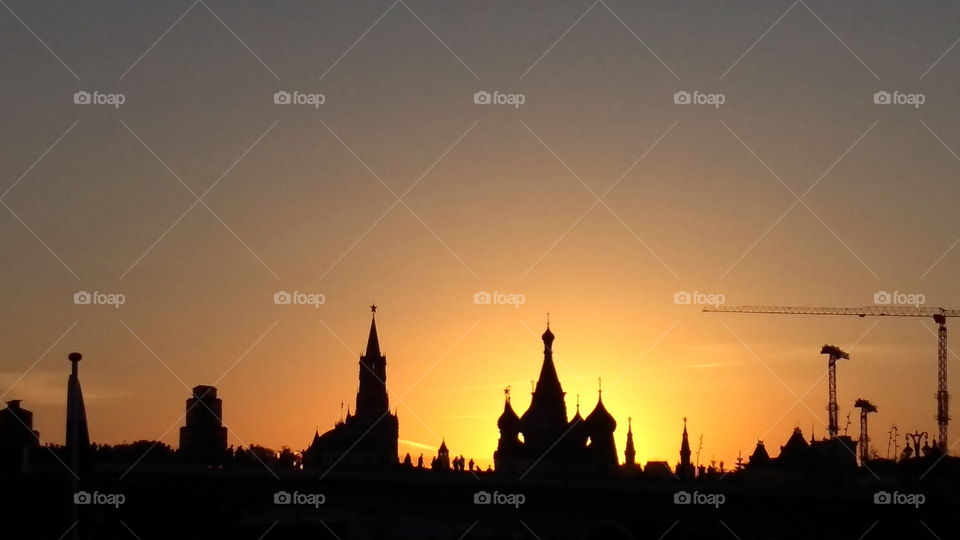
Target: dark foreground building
[[204, 438]]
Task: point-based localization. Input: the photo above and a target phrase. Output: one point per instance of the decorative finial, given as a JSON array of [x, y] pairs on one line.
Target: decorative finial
[[373, 308], [684, 422], [506, 392], [548, 319], [600, 386], [578, 403], [533, 386], [629, 423]]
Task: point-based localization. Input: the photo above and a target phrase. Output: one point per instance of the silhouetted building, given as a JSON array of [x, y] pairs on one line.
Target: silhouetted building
[[657, 470], [78, 437], [16, 427], [442, 461], [204, 438], [796, 453], [17, 436], [685, 467], [369, 437], [550, 443], [759, 458]]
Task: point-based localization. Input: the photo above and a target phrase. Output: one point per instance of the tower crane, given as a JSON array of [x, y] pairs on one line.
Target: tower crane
[[833, 354], [865, 408], [939, 316]]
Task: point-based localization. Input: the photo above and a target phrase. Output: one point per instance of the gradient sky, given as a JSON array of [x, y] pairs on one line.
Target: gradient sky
[[500, 199]]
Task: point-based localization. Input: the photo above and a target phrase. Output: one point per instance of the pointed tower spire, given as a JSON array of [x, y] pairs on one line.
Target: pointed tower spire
[[373, 341], [630, 454], [685, 468], [372, 400]]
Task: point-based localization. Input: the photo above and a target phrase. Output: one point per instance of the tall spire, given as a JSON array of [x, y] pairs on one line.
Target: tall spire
[[685, 468], [373, 341], [685, 444], [372, 401], [78, 437], [630, 454]]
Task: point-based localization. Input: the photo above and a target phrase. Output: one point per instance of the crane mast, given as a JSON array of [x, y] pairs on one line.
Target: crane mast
[[943, 397], [939, 316], [865, 408], [833, 354]]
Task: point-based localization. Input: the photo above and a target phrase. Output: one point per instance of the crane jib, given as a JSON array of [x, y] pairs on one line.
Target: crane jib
[[866, 311]]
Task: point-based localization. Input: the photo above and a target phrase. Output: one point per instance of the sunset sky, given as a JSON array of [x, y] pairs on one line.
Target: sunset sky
[[797, 190]]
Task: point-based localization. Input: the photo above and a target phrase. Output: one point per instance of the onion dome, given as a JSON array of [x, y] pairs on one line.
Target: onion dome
[[599, 420], [548, 338], [508, 422]]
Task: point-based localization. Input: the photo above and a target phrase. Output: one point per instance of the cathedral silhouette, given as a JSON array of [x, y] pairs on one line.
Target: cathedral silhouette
[[551, 443]]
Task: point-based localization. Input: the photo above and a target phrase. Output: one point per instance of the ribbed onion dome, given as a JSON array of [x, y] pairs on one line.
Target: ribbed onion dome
[[599, 420], [508, 422]]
